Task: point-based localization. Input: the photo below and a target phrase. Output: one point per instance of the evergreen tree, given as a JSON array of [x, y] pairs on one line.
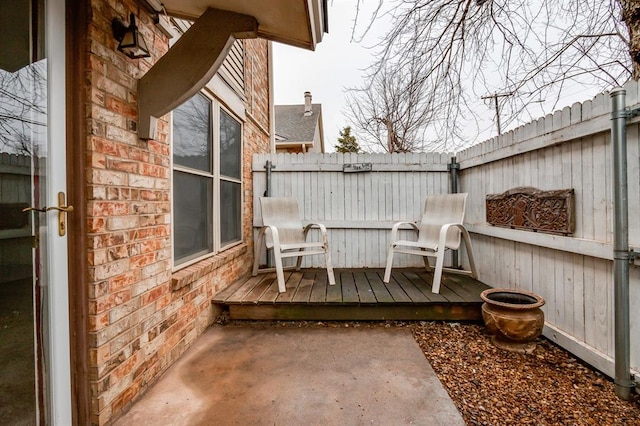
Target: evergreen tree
[[347, 142]]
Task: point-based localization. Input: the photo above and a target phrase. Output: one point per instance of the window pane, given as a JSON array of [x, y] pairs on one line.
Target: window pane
[[192, 134], [230, 212], [230, 146], [192, 216]]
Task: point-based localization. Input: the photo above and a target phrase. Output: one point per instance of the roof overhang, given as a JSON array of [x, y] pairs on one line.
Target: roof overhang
[[196, 56], [300, 23]]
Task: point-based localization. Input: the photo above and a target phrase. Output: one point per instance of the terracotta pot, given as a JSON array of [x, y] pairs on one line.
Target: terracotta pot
[[513, 317]]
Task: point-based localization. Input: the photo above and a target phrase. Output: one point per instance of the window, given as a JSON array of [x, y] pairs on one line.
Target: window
[[207, 179]]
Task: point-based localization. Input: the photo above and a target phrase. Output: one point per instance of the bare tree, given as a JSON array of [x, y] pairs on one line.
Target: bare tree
[[390, 110], [23, 110], [525, 50]]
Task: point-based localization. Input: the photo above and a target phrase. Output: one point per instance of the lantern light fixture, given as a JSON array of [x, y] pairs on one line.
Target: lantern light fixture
[[132, 42]]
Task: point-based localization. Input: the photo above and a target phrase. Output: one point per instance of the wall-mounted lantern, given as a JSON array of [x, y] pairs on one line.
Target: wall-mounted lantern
[[132, 43]]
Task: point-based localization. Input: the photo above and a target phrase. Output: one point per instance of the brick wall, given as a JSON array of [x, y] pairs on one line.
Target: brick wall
[[142, 316]]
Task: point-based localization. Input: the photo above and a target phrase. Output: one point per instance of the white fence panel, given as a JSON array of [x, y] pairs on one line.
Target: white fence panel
[[358, 208], [568, 149], [15, 243]]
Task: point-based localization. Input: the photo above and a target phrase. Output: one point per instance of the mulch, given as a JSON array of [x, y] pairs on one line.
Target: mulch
[[490, 386]]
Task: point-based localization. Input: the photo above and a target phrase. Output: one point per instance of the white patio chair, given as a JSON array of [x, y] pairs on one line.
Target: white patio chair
[[283, 232], [440, 229]]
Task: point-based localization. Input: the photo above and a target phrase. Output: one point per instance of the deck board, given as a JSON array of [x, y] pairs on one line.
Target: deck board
[[292, 284], [334, 292], [349, 291], [319, 290], [365, 293], [397, 293], [260, 289], [359, 294], [424, 283], [409, 288], [271, 294], [303, 293], [380, 291]]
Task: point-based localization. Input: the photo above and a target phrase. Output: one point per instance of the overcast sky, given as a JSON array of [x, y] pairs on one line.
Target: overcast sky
[[338, 63], [335, 64]]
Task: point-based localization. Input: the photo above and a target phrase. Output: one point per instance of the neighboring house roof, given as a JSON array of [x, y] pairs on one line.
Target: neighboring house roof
[[293, 126]]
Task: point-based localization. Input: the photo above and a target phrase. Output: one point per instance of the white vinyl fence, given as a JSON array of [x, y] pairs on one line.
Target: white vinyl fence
[[568, 149]]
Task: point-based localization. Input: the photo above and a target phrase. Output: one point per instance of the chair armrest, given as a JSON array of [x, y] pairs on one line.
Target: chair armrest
[[396, 227], [312, 225], [323, 232], [445, 228], [275, 236]]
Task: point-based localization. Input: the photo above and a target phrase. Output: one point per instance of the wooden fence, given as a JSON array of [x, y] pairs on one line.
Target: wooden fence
[[15, 240], [358, 208], [568, 149]]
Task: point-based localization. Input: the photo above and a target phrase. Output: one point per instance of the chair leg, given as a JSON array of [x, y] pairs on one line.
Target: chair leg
[[279, 270], [426, 261], [257, 249], [437, 275], [467, 245], [387, 270], [299, 261], [329, 265]]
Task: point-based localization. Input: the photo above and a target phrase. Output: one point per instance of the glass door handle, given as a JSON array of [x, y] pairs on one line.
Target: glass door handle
[[34, 209], [62, 210]]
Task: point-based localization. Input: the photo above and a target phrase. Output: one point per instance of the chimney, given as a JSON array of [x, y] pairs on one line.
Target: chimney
[[307, 104]]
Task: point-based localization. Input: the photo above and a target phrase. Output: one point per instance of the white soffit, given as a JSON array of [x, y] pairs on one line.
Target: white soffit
[[295, 22]]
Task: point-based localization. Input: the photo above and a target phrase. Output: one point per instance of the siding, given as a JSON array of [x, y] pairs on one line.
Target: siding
[[232, 69]]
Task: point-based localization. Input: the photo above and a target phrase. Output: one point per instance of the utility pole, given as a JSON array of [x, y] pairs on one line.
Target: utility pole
[[495, 97]]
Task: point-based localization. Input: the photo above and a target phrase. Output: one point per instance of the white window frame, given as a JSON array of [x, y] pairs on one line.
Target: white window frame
[[215, 107]]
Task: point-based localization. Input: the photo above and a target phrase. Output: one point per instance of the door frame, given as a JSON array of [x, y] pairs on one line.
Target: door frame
[[59, 365], [77, 17]]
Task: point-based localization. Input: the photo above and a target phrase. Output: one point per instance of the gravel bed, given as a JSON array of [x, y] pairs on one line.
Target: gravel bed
[[490, 386]]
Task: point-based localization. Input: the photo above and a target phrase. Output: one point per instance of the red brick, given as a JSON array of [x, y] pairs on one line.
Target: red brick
[[121, 107], [142, 260], [122, 281], [128, 221], [96, 225], [125, 166], [154, 295], [100, 208], [108, 147], [99, 321]]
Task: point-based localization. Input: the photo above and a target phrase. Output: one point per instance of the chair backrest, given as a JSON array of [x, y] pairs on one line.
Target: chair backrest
[[284, 215], [440, 210]]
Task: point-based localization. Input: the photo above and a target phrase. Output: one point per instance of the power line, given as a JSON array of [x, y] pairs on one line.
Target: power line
[[495, 97]]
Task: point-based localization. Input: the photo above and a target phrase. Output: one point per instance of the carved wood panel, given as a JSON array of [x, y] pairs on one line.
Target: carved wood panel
[[533, 209]]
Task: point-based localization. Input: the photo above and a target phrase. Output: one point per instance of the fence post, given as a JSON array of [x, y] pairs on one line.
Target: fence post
[[268, 167], [621, 253], [453, 168], [267, 193]]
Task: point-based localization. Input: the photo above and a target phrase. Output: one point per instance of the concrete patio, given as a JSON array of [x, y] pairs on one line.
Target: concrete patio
[[271, 375]]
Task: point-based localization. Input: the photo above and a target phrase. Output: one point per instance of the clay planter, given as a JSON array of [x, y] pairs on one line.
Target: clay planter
[[513, 317]]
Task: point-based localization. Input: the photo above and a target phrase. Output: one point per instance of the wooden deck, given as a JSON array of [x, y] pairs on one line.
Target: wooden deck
[[359, 294]]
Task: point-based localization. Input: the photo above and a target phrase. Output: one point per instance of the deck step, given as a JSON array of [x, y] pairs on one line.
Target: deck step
[[359, 294]]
